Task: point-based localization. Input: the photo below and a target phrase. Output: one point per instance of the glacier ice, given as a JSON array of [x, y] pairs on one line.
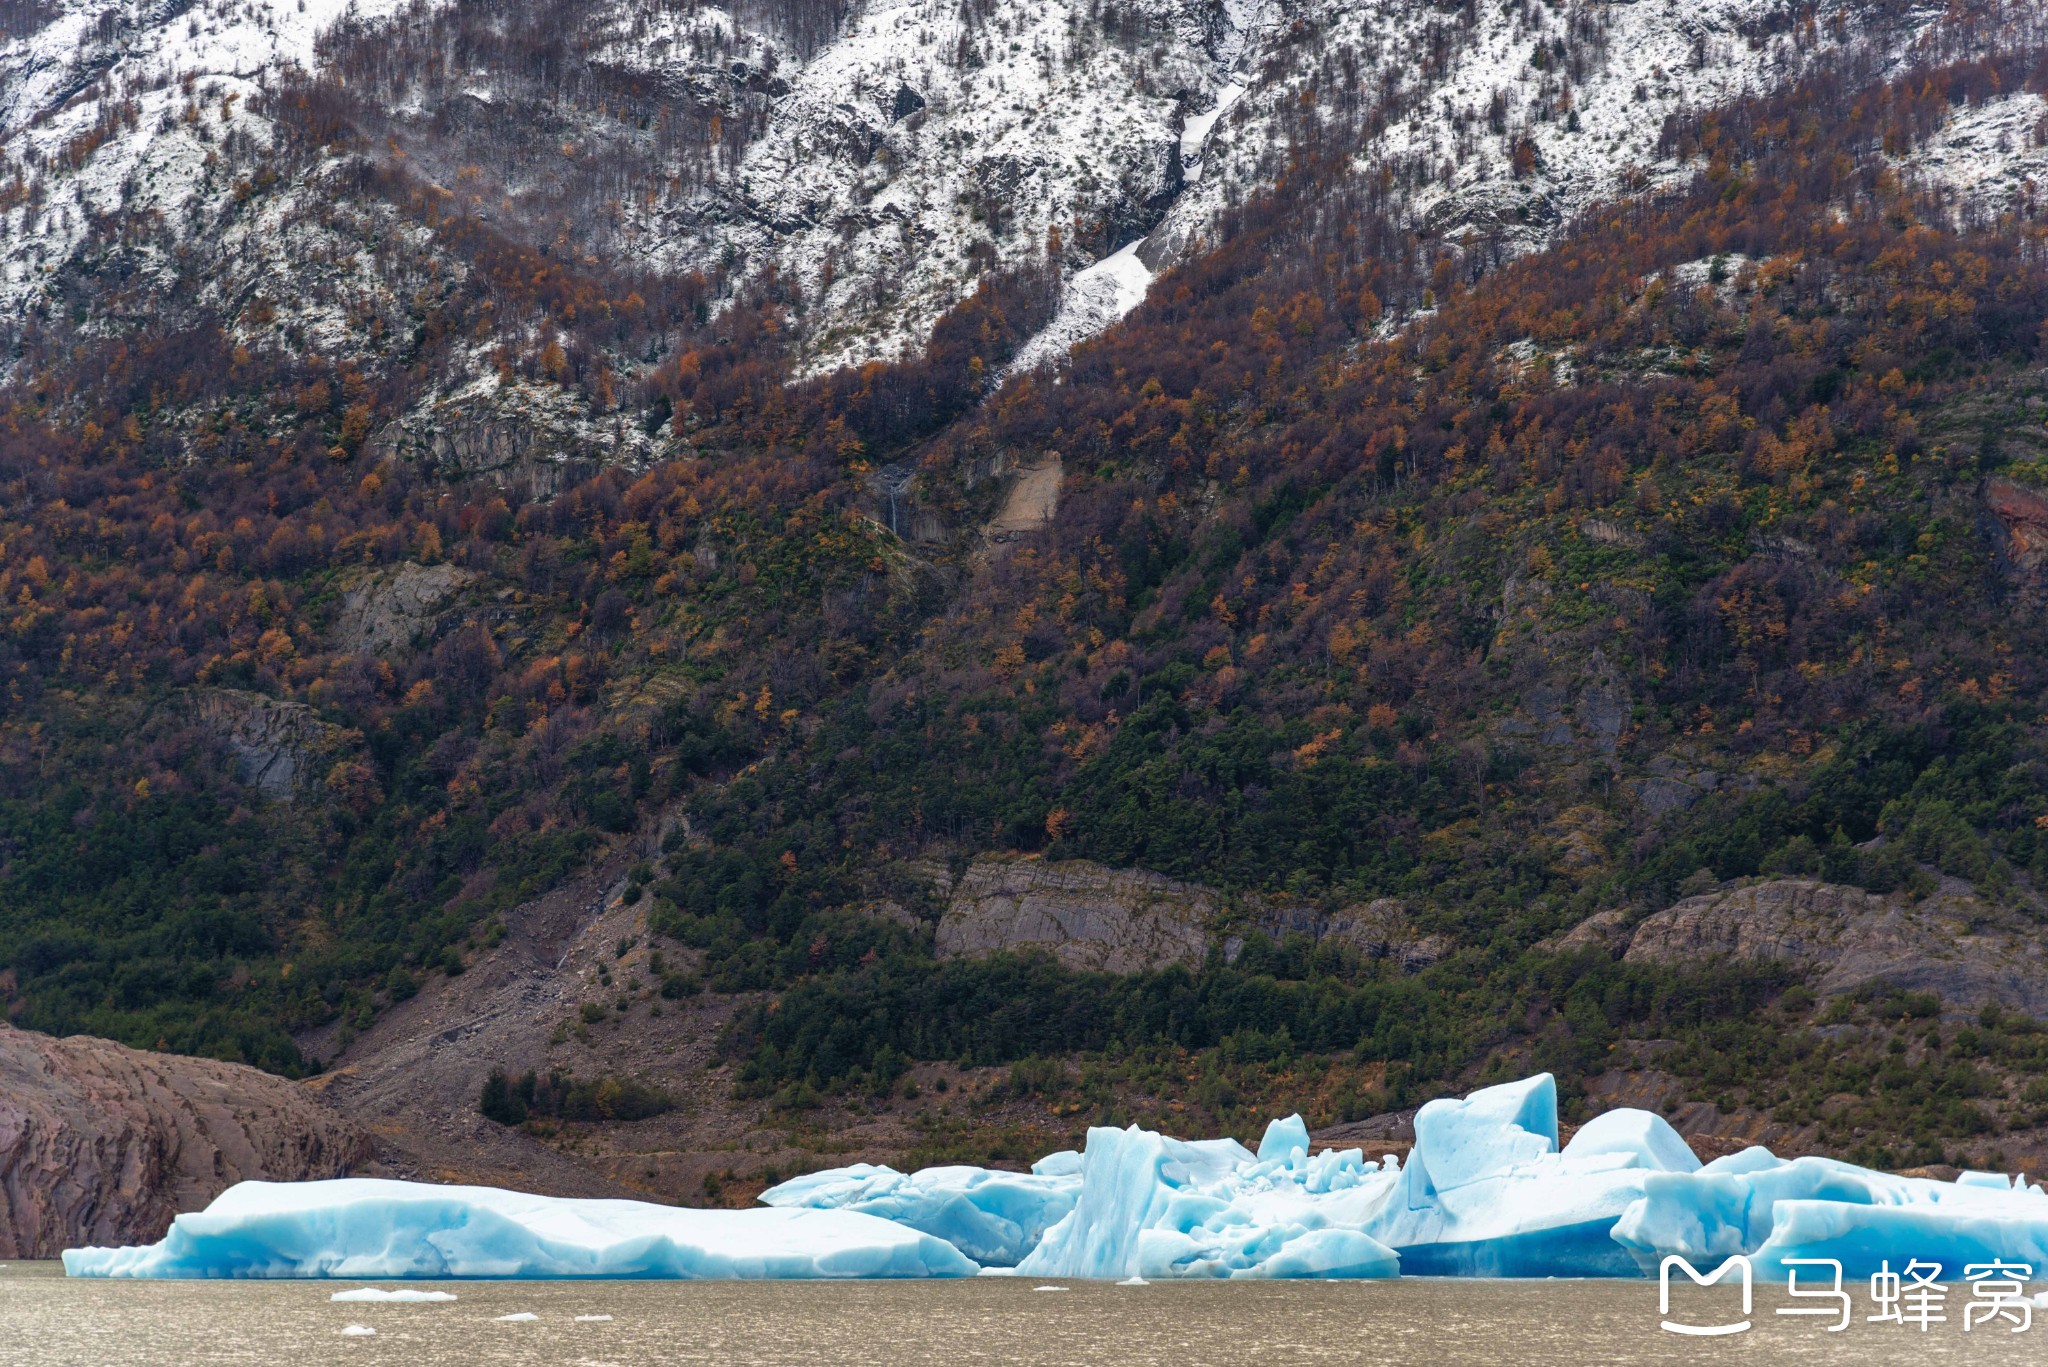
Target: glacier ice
[[1153, 1207], [1485, 1192], [370, 1227], [993, 1217], [1775, 1210]]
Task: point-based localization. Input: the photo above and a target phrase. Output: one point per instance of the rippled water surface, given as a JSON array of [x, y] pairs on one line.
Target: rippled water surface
[[46, 1318]]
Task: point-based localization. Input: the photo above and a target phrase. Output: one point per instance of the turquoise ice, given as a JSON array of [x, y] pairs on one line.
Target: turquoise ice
[[1487, 1191], [369, 1228], [993, 1217]]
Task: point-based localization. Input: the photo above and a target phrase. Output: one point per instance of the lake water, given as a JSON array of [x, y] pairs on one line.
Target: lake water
[[47, 1320]]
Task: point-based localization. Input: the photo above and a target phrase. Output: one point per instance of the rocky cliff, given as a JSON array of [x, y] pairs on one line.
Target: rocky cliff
[[1951, 942], [1089, 916], [278, 746], [103, 1144]]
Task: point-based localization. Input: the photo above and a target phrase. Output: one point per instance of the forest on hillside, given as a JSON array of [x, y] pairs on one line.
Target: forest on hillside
[[1353, 523]]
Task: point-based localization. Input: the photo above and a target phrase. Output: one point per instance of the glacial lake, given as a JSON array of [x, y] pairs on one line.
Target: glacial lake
[[47, 1320]]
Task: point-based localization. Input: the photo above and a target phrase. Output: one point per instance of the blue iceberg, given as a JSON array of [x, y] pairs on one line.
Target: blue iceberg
[[1486, 1192], [993, 1217], [368, 1227], [1157, 1208], [1776, 1210]]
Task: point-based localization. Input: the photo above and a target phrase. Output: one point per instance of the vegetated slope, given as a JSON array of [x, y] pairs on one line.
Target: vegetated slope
[[1698, 546]]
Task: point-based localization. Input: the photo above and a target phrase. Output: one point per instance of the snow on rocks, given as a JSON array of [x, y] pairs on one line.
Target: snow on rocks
[[1094, 299], [1991, 159], [370, 1227]]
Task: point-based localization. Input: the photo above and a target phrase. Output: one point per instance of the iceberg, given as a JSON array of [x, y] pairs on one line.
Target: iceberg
[[360, 1227], [1775, 1211], [995, 1218], [1487, 1191], [1154, 1208]]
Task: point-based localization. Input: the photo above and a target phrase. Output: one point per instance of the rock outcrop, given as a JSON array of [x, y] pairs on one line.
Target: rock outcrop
[[278, 746], [1951, 942], [393, 609], [2021, 515], [103, 1144], [1089, 916]]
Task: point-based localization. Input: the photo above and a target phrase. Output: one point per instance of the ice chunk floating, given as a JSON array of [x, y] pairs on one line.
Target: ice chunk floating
[[1775, 1210], [1486, 1192], [994, 1218], [368, 1227]]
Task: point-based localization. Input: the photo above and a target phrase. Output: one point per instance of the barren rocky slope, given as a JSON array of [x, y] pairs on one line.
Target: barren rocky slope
[[102, 1144]]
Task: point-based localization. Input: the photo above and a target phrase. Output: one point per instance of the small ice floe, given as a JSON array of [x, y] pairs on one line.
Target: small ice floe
[[358, 1331], [400, 1295], [593, 1319], [1134, 1281], [997, 1272], [523, 1317], [1048, 1288]]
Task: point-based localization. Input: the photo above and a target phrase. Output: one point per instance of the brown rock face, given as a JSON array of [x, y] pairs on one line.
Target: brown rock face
[[1952, 942], [392, 609], [103, 1144], [1089, 916]]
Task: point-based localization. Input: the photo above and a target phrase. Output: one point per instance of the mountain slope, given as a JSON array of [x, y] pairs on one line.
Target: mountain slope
[[1514, 549]]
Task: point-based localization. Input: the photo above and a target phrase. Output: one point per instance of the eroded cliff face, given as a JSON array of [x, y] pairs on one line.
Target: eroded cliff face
[[103, 1144], [1089, 916], [278, 746], [1951, 942]]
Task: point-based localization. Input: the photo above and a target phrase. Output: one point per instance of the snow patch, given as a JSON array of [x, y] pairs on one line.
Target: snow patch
[[1991, 159], [1094, 299]]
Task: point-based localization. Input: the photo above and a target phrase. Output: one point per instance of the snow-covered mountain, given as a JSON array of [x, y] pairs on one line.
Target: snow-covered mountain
[[874, 164]]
